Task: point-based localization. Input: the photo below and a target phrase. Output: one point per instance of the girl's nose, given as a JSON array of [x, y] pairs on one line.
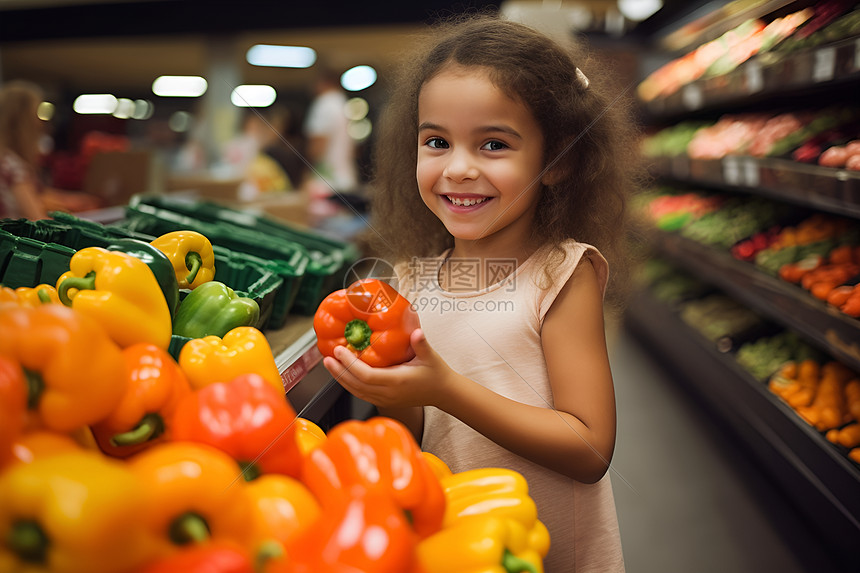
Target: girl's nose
[[461, 167]]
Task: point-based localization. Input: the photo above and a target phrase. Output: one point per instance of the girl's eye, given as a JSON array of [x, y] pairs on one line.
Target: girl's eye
[[437, 143], [494, 145]]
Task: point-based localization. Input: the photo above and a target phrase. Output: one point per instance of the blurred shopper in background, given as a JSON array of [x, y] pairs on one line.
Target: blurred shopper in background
[[330, 148], [246, 154], [22, 193]]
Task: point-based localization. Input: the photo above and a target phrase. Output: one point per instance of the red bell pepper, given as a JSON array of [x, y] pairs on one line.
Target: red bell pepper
[[217, 557], [364, 532], [154, 386], [246, 418], [382, 455], [371, 319]]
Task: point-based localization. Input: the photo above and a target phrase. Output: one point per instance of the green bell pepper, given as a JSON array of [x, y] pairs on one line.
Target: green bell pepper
[[214, 309], [157, 262]]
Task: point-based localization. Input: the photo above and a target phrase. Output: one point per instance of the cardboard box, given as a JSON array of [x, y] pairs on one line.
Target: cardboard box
[[116, 176]]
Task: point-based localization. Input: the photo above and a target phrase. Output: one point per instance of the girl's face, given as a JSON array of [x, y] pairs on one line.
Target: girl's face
[[480, 156]]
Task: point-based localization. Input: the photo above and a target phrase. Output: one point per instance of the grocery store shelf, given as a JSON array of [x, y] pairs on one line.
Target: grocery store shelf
[[308, 385], [833, 190], [764, 76], [784, 303], [821, 481]]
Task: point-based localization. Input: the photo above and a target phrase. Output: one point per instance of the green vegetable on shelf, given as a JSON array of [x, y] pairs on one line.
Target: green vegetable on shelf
[[213, 308]]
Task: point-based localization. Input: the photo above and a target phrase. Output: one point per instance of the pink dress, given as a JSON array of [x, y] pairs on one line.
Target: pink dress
[[493, 336]]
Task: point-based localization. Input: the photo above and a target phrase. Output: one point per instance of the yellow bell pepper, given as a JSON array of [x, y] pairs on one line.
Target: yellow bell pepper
[[191, 255], [120, 292], [440, 468], [243, 350], [30, 297], [496, 492], [479, 544], [8, 295], [71, 512]]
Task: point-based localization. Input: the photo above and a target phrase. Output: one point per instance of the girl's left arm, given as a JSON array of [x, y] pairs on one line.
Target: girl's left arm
[[576, 437]]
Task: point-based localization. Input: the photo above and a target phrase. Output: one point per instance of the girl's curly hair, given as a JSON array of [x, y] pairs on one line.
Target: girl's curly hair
[[590, 141]]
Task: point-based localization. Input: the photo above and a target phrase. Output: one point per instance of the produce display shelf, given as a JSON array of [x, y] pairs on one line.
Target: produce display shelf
[[767, 75], [308, 385], [782, 302], [833, 190], [819, 479]]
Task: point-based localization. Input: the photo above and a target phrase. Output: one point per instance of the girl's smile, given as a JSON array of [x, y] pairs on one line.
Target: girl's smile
[[480, 157]]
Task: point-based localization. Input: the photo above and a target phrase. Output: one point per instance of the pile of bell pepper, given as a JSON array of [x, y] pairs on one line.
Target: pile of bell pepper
[[117, 458]]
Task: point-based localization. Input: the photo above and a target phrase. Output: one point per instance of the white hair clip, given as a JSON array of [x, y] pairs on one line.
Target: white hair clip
[[582, 79]]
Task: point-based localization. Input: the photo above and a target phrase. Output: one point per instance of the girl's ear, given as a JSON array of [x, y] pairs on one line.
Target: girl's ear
[[551, 177]]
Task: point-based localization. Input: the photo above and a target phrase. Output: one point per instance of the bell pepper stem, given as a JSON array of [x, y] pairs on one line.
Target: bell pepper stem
[[189, 528], [250, 470], [357, 334], [28, 541], [87, 282], [43, 296], [150, 426], [193, 262], [513, 564], [269, 549], [35, 387]]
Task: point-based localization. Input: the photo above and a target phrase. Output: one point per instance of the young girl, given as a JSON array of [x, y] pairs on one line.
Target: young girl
[[501, 171]]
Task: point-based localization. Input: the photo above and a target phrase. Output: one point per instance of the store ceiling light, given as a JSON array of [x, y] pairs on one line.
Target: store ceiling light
[[124, 108], [179, 86], [253, 96], [356, 109], [180, 121], [639, 10], [94, 104], [280, 56], [45, 111], [360, 130], [358, 78], [143, 109]]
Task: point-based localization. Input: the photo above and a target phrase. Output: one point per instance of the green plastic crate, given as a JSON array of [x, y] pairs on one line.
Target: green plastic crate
[[36, 252], [27, 262], [330, 258], [284, 254]]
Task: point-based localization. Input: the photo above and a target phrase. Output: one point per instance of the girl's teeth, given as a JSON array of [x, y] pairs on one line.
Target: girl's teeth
[[466, 202]]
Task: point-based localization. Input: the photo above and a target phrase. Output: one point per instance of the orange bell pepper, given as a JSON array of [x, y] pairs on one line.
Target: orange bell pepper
[[308, 435], [364, 531], [247, 419], [40, 444], [380, 454], [72, 512], [283, 508], [75, 374], [121, 293], [13, 406], [154, 386], [243, 350], [371, 319], [194, 493]]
